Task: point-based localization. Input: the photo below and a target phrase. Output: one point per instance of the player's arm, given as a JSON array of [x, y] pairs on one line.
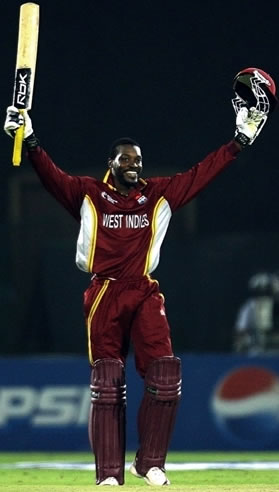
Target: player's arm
[[183, 187], [67, 189]]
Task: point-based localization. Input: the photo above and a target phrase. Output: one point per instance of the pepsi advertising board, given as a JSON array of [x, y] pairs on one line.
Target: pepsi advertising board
[[229, 402]]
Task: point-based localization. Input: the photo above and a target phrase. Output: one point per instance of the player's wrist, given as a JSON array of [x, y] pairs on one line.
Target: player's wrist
[[242, 139], [31, 142]]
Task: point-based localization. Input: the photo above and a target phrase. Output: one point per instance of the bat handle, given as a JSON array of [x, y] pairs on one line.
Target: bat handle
[[18, 144]]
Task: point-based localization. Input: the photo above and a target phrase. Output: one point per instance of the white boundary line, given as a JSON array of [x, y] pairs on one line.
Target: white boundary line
[[228, 465]]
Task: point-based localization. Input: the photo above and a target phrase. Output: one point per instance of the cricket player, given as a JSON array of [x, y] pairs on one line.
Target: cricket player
[[123, 221]]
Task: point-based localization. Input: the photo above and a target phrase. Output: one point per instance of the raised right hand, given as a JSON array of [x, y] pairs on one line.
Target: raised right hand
[[14, 119]]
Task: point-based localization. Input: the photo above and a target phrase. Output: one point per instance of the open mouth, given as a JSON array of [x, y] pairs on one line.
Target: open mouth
[[131, 174]]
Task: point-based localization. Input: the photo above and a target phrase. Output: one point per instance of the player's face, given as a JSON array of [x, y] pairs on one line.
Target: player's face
[[127, 165]]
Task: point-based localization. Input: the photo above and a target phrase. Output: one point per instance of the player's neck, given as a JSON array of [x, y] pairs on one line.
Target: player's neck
[[122, 188]]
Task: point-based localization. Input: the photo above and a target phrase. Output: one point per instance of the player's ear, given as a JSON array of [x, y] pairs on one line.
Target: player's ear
[[110, 163]]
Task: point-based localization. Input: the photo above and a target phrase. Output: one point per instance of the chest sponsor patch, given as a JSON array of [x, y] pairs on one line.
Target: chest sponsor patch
[[107, 197], [118, 221]]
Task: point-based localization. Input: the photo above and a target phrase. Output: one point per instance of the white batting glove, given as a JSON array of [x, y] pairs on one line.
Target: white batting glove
[[15, 119], [249, 123]]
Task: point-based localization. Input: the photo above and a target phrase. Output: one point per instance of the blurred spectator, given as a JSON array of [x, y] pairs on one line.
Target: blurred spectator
[[256, 328]]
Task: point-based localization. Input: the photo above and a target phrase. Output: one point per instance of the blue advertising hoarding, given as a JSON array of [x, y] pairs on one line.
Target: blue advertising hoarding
[[229, 402]]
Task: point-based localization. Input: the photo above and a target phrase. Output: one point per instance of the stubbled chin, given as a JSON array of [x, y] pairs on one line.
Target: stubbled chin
[[130, 179]]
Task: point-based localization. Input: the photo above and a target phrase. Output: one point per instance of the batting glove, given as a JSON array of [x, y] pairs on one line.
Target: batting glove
[[15, 119], [249, 123]]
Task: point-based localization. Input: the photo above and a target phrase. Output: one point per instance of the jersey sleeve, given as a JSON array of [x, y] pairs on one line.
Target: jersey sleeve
[[183, 187], [68, 190]]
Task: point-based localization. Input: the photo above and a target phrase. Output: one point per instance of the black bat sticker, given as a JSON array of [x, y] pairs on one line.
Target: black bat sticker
[[22, 88]]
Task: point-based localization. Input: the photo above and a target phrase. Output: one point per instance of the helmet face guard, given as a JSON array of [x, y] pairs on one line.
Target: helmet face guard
[[254, 88]]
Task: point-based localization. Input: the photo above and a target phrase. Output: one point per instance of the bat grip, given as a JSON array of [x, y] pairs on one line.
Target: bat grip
[[18, 144]]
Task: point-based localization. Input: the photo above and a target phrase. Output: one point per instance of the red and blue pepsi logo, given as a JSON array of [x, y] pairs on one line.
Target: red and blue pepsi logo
[[245, 405]]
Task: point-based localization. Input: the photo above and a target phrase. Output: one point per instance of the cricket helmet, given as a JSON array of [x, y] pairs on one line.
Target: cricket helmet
[[254, 88]]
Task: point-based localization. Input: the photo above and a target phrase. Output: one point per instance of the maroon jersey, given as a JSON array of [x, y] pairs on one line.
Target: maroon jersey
[[121, 236]]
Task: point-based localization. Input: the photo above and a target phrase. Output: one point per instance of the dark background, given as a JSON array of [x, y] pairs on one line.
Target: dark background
[[160, 72]]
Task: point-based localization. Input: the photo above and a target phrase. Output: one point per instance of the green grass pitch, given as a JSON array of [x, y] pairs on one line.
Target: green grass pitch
[[26, 479]]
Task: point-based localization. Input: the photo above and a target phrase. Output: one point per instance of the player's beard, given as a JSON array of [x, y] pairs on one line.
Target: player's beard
[[130, 183], [124, 179]]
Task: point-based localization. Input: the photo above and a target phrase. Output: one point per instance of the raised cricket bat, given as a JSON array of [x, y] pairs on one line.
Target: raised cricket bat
[[28, 33]]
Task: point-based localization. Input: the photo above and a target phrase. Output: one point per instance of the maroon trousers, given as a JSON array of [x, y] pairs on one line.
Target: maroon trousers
[[120, 311]]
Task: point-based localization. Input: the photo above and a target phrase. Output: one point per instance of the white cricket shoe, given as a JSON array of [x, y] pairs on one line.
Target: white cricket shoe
[[134, 472], [109, 481], [155, 476]]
